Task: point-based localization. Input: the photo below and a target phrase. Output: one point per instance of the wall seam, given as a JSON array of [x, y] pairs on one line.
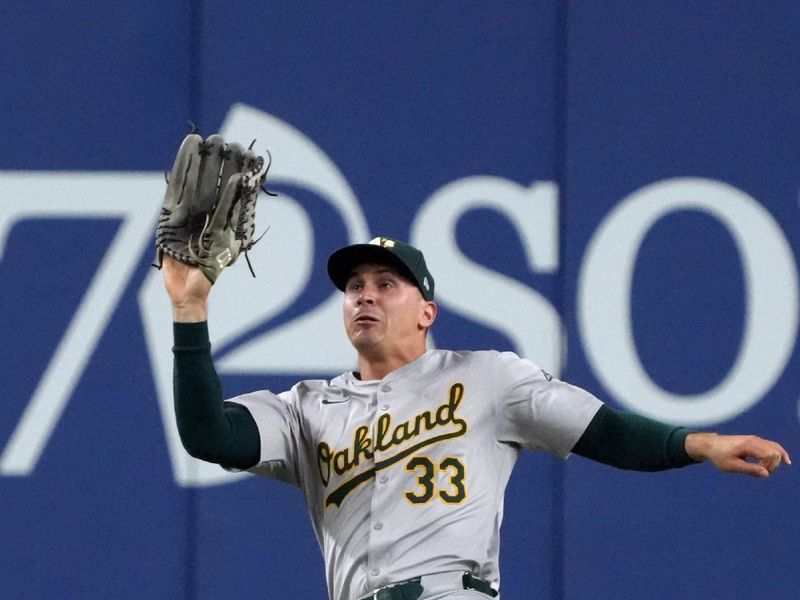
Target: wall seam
[[560, 171], [195, 69]]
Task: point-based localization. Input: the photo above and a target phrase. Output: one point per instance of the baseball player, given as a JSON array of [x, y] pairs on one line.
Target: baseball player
[[404, 462]]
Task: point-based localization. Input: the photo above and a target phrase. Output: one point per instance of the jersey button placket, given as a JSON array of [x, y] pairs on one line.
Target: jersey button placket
[[373, 558], [377, 543]]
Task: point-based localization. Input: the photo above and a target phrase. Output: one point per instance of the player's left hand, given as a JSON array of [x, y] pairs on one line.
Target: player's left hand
[[747, 454]]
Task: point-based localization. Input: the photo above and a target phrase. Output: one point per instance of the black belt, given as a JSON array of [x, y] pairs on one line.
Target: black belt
[[412, 589]]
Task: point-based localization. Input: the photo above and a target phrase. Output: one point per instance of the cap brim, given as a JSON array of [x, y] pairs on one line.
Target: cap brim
[[342, 262]]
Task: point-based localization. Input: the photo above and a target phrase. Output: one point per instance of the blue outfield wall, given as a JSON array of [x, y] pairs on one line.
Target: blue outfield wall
[[608, 188]]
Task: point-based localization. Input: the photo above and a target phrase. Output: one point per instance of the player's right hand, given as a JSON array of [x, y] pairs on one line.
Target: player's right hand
[[188, 289]]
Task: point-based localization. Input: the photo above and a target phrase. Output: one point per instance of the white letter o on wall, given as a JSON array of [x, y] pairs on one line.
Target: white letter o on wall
[[771, 291]]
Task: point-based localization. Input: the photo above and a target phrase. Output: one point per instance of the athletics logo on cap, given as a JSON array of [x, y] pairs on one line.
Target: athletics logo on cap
[[382, 241]]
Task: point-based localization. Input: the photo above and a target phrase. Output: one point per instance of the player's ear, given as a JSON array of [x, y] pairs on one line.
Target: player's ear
[[428, 315]]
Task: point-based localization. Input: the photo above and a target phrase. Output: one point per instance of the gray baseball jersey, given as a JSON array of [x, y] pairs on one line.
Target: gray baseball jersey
[[406, 475]]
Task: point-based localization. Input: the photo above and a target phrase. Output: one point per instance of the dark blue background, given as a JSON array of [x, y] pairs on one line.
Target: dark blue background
[[600, 97]]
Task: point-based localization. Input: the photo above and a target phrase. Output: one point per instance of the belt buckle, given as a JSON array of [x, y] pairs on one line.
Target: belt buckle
[[375, 593], [378, 594]]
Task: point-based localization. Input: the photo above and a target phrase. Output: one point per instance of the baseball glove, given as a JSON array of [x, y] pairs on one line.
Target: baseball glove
[[208, 215]]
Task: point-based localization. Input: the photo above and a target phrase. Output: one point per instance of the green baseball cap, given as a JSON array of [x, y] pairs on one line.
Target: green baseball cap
[[385, 250]]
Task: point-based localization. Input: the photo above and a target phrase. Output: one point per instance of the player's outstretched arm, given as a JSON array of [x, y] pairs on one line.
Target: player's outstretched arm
[[630, 441], [748, 454]]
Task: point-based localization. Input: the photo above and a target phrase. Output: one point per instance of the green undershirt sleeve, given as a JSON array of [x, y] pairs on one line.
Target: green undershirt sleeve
[[209, 428], [629, 441]]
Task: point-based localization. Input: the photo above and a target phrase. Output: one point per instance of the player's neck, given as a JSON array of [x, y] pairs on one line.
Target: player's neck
[[377, 365]]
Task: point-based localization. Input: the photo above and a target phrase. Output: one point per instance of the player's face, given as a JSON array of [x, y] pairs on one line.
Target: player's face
[[384, 311]]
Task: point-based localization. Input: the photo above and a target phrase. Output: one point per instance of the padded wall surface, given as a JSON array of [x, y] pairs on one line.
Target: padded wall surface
[[609, 190]]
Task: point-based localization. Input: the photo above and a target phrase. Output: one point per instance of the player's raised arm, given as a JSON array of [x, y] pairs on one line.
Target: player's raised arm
[[209, 429], [747, 454], [207, 220]]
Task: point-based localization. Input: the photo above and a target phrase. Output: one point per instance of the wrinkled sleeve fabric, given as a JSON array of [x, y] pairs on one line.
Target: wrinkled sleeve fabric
[[537, 411], [276, 419]]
